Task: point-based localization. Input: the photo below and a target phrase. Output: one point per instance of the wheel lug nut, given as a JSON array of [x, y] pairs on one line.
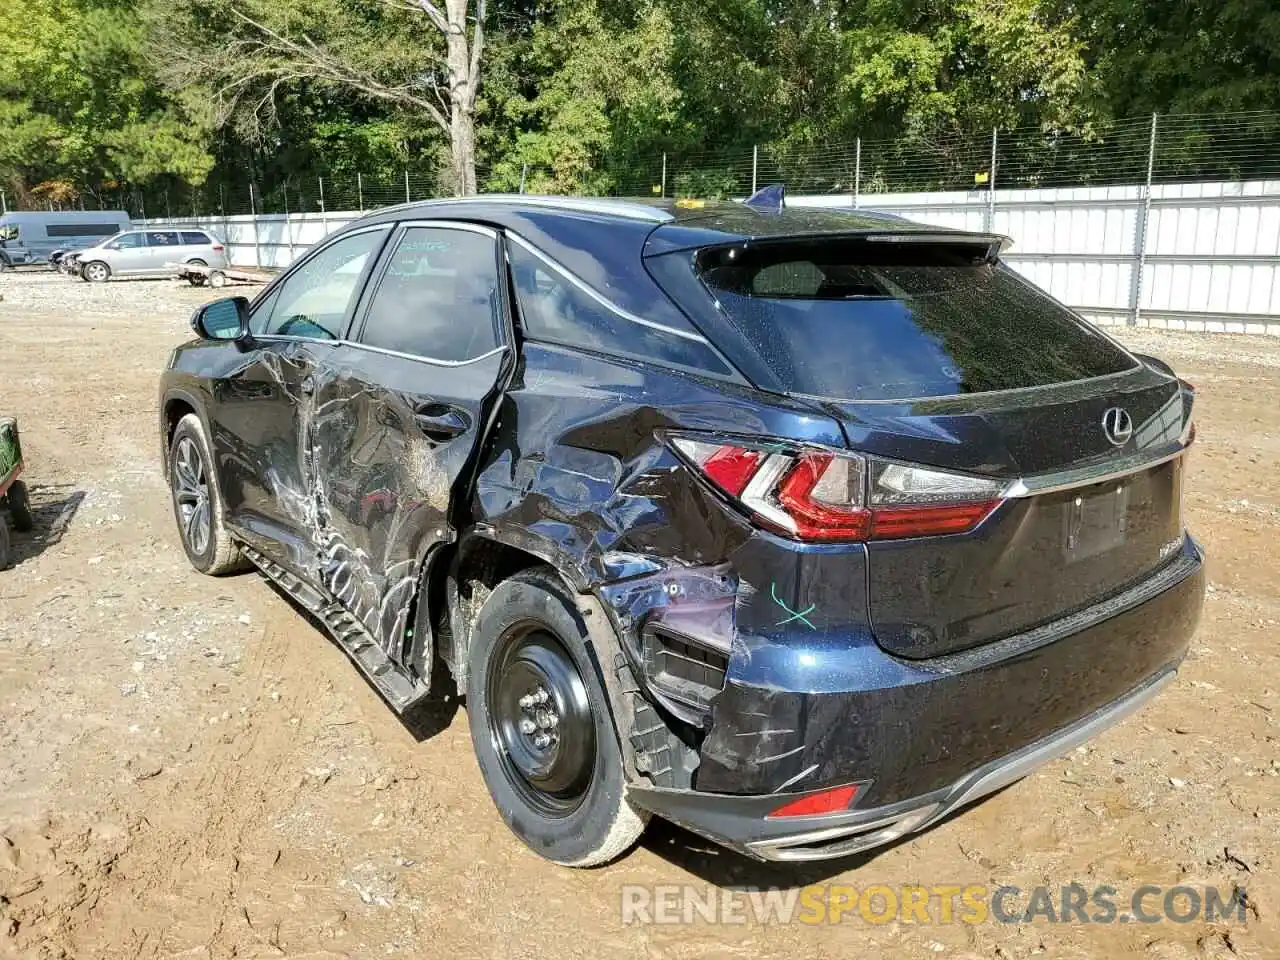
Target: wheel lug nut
[[542, 696], [541, 741], [527, 726], [527, 701]]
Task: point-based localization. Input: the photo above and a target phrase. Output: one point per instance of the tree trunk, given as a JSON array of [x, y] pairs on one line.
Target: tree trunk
[[464, 78]]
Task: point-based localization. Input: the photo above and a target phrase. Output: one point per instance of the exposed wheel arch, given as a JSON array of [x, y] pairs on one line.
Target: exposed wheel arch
[[458, 586]]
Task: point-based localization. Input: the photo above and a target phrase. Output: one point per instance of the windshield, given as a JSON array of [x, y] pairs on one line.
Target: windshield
[[8, 231], [852, 318]]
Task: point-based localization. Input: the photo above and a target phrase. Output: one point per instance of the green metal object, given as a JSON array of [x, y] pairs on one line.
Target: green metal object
[[10, 453]]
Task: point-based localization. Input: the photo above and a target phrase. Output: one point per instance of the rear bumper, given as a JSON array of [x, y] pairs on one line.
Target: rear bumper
[[924, 736], [741, 822]]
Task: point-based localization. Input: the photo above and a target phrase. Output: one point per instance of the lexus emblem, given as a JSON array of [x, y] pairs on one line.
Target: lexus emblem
[[1117, 425]]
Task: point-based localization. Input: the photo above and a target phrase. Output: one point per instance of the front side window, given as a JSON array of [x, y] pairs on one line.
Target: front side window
[[126, 241], [553, 307], [315, 299], [9, 231], [438, 297]]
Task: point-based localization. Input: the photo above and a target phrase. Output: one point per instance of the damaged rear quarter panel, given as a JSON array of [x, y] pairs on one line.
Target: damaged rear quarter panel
[[575, 473]]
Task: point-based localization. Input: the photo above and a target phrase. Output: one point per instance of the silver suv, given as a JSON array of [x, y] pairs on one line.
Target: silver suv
[[144, 253]]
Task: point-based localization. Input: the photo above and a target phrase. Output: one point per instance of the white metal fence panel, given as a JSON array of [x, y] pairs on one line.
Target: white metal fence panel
[[1197, 256]]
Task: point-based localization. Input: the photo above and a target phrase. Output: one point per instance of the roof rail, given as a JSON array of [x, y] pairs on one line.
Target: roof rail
[[618, 208]]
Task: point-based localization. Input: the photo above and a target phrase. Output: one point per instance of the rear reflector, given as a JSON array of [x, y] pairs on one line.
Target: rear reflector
[[824, 496], [834, 800]]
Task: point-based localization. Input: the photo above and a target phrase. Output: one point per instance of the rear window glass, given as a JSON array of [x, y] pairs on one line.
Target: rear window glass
[[82, 229], [877, 320], [558, 308], [195, 237]]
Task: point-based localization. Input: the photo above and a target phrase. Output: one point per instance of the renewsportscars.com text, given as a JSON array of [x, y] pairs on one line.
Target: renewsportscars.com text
[[935, 904]]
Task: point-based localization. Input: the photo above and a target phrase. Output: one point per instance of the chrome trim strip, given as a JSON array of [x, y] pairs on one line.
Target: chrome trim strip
[[431, 360], [1036, 484], [447, 225], [601, 299], [275, 337]]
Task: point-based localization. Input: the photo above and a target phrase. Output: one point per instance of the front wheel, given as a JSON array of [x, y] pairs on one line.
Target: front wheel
[[96, 272], [542, 729], [197, 505]]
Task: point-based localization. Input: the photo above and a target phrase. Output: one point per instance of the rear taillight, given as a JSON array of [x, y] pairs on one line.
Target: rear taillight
[[821, 495], [217, 248]]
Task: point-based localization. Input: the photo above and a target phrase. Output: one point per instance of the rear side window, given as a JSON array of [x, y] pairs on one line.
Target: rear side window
[[195, 238], [876, 320], [558, 308], [162, 238], [439, 296], [82, 229]]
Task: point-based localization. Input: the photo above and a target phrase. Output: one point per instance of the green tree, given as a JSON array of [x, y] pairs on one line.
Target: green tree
[[79, 106]]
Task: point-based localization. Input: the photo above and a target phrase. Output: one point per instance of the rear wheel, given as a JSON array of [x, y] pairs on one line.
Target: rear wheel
[[197, 506], [197, 262], [541, 726], [217, 279], [4, 545], [19, 506], [95, 271]]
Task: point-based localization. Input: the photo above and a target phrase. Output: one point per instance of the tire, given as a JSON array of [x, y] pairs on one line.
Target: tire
[[4, 545], [567, 800], [197, 262], [95, 271], [193, 488], [20, 507], [217, 279]]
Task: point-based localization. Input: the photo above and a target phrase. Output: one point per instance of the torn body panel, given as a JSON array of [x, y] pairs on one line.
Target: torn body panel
[[332, 478]]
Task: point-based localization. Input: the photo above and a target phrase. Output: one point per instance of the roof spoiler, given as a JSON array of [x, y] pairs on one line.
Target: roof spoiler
[[770, 199]]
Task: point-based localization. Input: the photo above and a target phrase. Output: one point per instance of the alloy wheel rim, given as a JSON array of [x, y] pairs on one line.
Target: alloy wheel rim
[[96, 271], [191, 493], [540, 721]]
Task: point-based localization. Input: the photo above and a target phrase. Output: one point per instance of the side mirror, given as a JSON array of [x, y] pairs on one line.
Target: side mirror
[[225, 319]]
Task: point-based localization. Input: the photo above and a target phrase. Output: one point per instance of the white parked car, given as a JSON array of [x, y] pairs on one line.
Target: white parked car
[[144, 253]]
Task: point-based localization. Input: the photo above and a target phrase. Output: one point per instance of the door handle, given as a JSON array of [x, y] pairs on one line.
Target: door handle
[[440, 422], [308, 386]]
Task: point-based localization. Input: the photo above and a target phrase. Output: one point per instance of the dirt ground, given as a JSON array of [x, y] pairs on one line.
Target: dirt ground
[[188, 768]]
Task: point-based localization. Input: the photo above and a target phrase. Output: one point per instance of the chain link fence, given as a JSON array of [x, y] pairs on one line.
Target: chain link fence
[[1164, 149]]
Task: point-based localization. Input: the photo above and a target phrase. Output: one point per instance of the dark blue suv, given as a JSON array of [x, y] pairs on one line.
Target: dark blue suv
[[799, 528]]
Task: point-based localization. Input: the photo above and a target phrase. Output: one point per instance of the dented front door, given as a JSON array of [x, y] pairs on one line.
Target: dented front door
[[400, 411]]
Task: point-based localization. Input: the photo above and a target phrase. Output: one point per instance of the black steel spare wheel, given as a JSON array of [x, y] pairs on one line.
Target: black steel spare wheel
[[542, 726], [540, 718]]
